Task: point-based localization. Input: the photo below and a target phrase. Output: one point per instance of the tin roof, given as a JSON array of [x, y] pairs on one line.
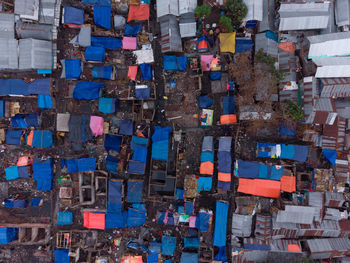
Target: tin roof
[[342, 12], [296, 214], [27, 9], [7, 25]]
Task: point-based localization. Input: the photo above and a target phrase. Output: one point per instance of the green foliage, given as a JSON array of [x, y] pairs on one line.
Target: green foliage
[[226, 23], [278, 75], [202, 10], [236, 10], [294, 110]]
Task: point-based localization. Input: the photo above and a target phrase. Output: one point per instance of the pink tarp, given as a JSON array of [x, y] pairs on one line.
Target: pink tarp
[[206, 61], [129, 43], [132, 73], [96, 125]]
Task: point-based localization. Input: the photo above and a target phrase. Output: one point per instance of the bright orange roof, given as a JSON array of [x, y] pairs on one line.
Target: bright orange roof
[[260, 187], [94, 220], [288, 184], [138, 12]]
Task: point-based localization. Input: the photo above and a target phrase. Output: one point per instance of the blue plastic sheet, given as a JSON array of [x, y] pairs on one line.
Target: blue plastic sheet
[[287, 151], [264, 171], [191, 242], [202, 221], [20, 87], [173, 63], [2, 108], [228, 105], [189, 208], [187, 257], [113, 142], [276, 174], [207, 157], [112, 164], [140, 154], [61, 255], [136, 217], [73, 15], [204, 102], [251, 24], [7, 234], [72, 68], [168, 245], [18, 121], [106, 42], [97, 2], [220, 224], [35, 201], [31, 120], [42, 138], [330, 155], [39, 87], [126, 127], [160, 143], [87, 90], [142, 93], [23, 172], [204, 183], [93, 53], [243, 45], [81, 165], [13, 137], [301, 153], [132, 31], [16, 203], [152, 258], [136, 167], [216, 75], [271, 35], [45, 102], [115, 192], [286, 130], [224, 162], [11, 173], [262, 247], [221, 255], [102, 72], [226, 186], [146, 71], [64, 218], [43, 174], [102, 16], [179, 194], [134, 194], [181, 63], [116, 219], [107, 105], [248, 169]]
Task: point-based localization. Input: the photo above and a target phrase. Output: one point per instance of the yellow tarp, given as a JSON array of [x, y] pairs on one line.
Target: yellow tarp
[[227, 42]]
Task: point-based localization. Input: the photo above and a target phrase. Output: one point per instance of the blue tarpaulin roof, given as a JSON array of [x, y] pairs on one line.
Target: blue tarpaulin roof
[[43, 174], [102, 72], [13, 137], [204, 183], [64, 218], [146, 71], [220, 224], [73, 15], [134, 194], [136, 217], [187, 257], [136, 167], [132, 31], [16, 203], [107, 105], [126, 127], [204, 102], [228, 105], [247, 169], [72, 68], [11, 173], [102, 16], [45, 102], [2, 108], [87, 90], [106, 42], [292, 152], [221, 255], [18, 121], [173, 63], [142, 93], [115, 190], [116, 219], [243, 45], [168, 245], [81, 165], [287, 129], [20, 87], [160, 143], [216, 75], [93, 53], [112, 164], [191, 242], [61, 255], [97, 2], [113, 142], [7, 234], [224, 162], [42, 138], [330, 155]]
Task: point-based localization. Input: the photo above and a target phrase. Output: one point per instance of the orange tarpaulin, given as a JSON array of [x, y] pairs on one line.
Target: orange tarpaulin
[[288, 184], [30, 138], [132, 73], [224, 177], [260, 187], [138, 12], [294, 248], [228, 119], [287, 46], [94, 220], [207, 168], [24, 161], [132, 259]]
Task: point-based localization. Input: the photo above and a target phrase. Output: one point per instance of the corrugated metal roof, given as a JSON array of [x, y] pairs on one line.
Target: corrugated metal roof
[[188, 25], [255, 10], [324, 104], [7, 25], [304, 16], [27, 9], [36, 31], [47, 11], [187, 6], [241, 225], [342, 12], [267, 22], [330, 48], [269, 46], [296, 214], [341, 71], [167, 7], [35, 54], [170, 32], [8, 54]]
